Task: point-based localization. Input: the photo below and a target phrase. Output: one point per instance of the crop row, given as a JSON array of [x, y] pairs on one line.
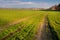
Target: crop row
[[54, 19], [28, 32], [28, 27]]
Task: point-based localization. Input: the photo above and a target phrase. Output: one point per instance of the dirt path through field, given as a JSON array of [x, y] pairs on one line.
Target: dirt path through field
[[18, 21], [43, 32], [39, 31], [13, 23]]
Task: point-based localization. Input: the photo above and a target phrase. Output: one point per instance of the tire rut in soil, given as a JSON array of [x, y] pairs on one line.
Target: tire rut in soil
[[46, 32]]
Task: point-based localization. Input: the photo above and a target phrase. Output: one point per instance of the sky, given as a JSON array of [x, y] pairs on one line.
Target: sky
[[28, 3]]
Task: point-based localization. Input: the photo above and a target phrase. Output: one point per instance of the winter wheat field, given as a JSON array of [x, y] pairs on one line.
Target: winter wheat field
[[29, 25]]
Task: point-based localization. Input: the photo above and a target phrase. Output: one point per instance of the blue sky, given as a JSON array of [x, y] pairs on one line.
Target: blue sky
[[28, 3]]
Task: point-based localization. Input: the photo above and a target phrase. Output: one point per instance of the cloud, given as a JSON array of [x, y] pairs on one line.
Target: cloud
[[21, 4], [27, 3]]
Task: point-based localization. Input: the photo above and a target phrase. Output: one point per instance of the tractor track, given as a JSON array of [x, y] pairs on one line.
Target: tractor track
[[45, 32]]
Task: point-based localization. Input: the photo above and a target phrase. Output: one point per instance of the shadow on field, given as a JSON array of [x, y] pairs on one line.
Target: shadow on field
[[51, 10], [53, 32], [57, 22]]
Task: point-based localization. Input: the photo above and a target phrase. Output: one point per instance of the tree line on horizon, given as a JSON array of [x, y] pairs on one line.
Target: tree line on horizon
[[55, 7]]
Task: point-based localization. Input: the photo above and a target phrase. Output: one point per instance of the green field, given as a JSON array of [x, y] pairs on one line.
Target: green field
[[25, 23]]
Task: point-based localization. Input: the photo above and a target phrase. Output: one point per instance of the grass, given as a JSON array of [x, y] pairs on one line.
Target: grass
[[54, 19], [11, 15], [27, 28]]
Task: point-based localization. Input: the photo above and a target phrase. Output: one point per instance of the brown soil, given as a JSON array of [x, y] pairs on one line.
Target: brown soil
[[40, 27], [18, 21], [42, 32], [13, 23]]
